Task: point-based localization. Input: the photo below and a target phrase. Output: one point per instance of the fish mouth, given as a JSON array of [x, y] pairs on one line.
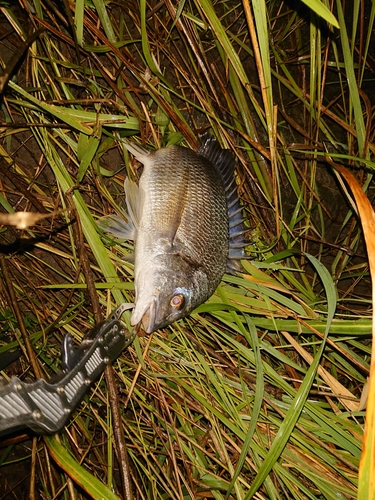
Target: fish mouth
[[145, 316]]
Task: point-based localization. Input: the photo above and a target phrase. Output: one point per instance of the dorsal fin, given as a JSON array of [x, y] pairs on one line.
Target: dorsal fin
[[221, 159], [224, 162]]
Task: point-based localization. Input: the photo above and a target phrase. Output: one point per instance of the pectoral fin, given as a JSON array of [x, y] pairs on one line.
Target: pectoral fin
[[117, 225], [134, 202]]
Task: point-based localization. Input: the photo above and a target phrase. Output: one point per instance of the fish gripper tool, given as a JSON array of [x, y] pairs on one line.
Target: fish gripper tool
[[46, 407]]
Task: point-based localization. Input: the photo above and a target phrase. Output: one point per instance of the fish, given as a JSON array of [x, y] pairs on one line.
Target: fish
[[186, 220]]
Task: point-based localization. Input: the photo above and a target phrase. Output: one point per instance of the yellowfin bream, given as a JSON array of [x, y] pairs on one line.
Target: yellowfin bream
[[186, 221]]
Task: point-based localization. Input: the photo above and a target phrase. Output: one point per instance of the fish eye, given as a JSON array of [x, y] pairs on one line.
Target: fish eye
[[177, 301]]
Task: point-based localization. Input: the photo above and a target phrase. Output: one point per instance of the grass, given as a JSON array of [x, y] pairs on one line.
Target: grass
[[260, 393]]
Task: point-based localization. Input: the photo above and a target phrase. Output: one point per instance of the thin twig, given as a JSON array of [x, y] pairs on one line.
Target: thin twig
[[13, 304], [120, 444]]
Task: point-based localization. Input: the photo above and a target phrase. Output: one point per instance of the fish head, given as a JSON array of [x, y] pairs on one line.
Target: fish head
[[166, 290]]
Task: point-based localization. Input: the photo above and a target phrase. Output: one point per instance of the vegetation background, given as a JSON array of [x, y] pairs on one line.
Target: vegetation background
[[261, 392]]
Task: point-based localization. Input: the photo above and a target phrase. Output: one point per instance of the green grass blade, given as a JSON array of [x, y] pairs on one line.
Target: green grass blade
[[90, 484], [321, 10]]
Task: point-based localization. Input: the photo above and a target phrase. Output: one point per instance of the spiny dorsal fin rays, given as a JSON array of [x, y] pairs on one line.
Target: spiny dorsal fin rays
[[239, 233], [234, 267], [236, 222], [225, 165]]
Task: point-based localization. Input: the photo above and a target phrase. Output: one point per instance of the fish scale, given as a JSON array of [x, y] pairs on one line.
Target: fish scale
[[187, 229], [195, 221]]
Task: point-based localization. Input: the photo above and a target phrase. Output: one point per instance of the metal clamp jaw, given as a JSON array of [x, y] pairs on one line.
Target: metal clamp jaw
[[46, 407]]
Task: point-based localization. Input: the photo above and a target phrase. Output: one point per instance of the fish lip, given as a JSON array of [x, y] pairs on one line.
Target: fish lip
[[145, 316]]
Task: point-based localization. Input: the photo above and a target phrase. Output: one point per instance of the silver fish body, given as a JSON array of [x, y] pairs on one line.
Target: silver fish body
[[181, 227]]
